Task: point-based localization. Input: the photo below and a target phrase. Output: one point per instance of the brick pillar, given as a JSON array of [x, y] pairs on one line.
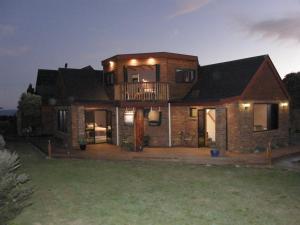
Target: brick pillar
[[221, 129]]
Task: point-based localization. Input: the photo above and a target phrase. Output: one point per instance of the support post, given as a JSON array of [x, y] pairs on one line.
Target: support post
[[49, 149], [170, 131], [117, 126]]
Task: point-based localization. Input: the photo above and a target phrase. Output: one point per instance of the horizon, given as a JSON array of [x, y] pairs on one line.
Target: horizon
[[44, 35]]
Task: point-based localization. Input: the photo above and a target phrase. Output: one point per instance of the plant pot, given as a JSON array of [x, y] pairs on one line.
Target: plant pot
[[82, 147], [214, 152]]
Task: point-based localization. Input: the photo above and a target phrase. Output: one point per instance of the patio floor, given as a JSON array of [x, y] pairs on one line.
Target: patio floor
[[175, 154]]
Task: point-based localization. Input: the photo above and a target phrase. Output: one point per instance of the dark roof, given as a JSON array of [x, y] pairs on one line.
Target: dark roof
[[224, 80], [82, 84], [46, 83]]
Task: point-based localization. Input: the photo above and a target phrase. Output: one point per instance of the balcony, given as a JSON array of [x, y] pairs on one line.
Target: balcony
[[143, 91]]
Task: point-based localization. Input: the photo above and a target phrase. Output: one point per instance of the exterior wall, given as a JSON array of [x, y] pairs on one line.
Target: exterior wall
[[64, 139], [158, 135], [185, 128], [126, 132], [168, 67], [241, 136], [48, 120], [295, 126], [184, 125]]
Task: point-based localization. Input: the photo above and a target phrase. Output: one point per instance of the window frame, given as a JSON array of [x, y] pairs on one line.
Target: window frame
[[191, 76], [270, 127]]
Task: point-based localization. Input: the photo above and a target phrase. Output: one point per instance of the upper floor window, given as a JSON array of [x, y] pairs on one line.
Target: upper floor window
[[265, 117], [185, 75], [62, 121], [109, 78]]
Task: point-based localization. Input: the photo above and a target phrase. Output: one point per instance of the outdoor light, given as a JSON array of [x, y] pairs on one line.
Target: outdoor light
[[151, 61], [246, 106], [111, 63], [129, 117], [284, 104], [133, 62]]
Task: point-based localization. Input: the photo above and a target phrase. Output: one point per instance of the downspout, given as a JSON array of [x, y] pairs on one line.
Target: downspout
[[117, 125], [169, 117]]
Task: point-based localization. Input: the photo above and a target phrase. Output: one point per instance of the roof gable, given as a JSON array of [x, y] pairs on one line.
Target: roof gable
[[224, 80], [266, 84]]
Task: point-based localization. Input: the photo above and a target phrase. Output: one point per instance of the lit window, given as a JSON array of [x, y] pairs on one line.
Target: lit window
[[62, 121], [265, 117], [193, 112], [185, 75]]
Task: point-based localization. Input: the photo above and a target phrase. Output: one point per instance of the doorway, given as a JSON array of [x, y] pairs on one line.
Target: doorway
[[206, 127], [98, 126]]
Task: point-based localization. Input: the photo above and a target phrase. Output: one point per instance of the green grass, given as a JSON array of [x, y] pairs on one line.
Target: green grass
[[82, 192]]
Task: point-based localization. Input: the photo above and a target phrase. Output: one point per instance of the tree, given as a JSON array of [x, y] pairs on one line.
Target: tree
[[14, 192], [292, 83], [29, 107]]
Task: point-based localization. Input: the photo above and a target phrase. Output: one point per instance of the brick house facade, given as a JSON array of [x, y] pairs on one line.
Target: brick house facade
[[238, 105]]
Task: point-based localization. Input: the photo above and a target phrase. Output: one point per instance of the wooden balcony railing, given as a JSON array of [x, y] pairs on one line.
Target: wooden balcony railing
[[146, 91]]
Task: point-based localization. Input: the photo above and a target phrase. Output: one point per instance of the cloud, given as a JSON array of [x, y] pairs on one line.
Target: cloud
[[285, 28], [188, 6], [17, 51], [6, 30]]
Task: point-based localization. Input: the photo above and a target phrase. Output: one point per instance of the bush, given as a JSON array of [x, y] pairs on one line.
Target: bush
[[14, 192]]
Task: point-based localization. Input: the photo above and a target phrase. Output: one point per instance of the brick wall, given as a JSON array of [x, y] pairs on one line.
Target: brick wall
[[48, 120], [241, 136]]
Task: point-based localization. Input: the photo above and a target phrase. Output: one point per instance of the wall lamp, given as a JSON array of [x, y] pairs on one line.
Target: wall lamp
[[284, 104], [246, 106]]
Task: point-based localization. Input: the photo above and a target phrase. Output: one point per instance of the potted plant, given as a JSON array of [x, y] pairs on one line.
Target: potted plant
[[82, 144], [214, 152]]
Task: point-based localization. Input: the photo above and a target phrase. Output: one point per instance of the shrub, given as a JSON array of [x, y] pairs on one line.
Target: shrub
[[14, 192]]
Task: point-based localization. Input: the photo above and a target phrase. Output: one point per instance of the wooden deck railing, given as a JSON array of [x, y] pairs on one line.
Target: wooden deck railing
[[146, 91]]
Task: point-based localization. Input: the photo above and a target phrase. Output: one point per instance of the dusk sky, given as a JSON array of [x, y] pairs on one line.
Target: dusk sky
[[46, 34]]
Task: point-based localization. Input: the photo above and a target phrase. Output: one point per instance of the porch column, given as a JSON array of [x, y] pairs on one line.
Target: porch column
[[117, 126], [221, 129], [170, 131]]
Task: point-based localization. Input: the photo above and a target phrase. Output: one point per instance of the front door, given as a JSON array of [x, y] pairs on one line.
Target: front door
[[201, 128], [139, 129]]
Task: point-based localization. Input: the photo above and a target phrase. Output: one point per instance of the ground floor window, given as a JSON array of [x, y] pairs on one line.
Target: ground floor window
[[62, 120], [265, 117]]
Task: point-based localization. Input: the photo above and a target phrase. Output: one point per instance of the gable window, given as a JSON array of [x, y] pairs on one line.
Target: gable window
[[109, 78], [62, 121], [185, 75], [265, 117]]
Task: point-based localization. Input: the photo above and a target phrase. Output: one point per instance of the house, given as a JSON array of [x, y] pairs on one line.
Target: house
[[169, 100]]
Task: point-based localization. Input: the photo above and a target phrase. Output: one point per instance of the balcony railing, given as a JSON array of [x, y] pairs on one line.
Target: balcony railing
[[146, 91]]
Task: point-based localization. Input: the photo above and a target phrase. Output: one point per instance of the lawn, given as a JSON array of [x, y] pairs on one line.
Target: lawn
[[83, 192]]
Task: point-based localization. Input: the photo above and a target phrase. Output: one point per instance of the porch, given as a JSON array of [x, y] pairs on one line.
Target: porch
[[175, 154]]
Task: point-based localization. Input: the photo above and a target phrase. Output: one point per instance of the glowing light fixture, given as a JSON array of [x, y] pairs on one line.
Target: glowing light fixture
[[133, 62], [284, 104], [151, 61], [129, 117], [246, 106], [111, 63]]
